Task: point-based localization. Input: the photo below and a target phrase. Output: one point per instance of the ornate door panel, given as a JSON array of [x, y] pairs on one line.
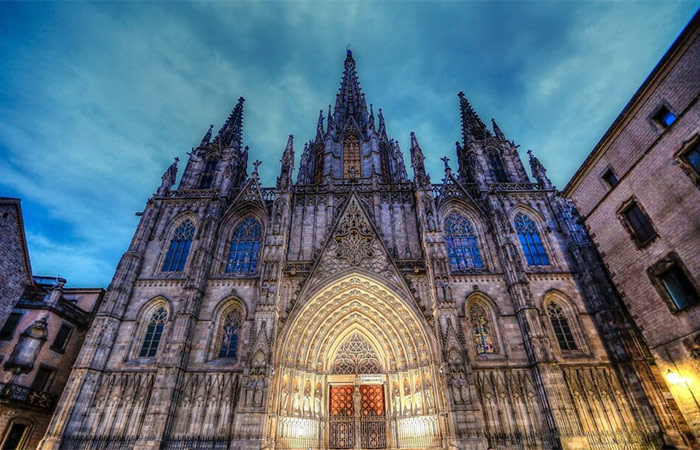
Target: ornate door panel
[[373, 417], [342, 417]]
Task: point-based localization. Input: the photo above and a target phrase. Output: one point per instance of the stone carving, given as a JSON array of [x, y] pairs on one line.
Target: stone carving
[[356, 355]]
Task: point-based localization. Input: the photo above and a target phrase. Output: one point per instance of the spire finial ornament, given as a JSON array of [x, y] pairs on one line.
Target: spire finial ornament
[[539, 172], [256, 164], [207, 137]]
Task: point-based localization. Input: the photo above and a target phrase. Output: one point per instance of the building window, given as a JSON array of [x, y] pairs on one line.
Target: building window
[[639, 224], [229, 334], [498, 170], [561, 327], [610, 178], [481, 326], [319, 154], [16, 437], [208, 174], [530, 241], [692, 158], [461, 242], [386, 165], [179, 247], [59, 344], [352, 167], [8, 330], [664, 117], [42, 380], [154, 332], [245, 247], [673, 283]]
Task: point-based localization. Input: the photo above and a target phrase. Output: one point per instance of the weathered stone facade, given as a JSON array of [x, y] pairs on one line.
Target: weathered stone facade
[[357, 308], [651, 160], [15, 270]]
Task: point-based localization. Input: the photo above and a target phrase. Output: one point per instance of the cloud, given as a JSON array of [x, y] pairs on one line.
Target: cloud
[[101, 96]]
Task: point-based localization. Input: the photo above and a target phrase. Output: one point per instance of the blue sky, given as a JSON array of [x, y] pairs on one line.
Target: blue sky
[[97, 98]]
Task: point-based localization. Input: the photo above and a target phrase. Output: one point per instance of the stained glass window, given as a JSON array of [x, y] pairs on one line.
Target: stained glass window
[[153, 333], [530, 241], [386, 165], [229, 334], [208, 174], [351, 157], [498, 170], [245, 247], [561, 327], [462, 247], [483, 340], [179, 247]]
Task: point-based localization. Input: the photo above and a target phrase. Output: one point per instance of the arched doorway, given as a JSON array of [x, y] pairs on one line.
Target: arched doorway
[[356, 368]]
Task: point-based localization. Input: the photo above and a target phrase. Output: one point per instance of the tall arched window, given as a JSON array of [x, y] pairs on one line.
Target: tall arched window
[[386, 165], [352, 167], [561, 327], [481, 326], [498, 170], [462, 247], [230, 327], [208, 174], [153, 333], [530, 240], [179, 247], [319, 152], [245, 247]]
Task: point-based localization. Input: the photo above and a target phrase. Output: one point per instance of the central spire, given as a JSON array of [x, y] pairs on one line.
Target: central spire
[[350, 101]]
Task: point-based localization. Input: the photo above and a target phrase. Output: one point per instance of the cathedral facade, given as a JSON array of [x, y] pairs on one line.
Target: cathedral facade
[[359, 308]]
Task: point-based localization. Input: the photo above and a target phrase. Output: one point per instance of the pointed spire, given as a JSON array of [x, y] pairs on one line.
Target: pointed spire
[[331, 119], [371, 116], [539, 172], [417, 161], [350, 102], [497, 130], [168, 178], [232, 131], [473, 129], [207, 137], [319, 125], [284, 181]]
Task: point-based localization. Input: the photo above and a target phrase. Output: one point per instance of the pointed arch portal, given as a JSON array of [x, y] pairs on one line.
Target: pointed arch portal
[[355, 369]]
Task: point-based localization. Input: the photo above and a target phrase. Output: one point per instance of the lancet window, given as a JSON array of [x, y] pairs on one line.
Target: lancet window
[[530, 240], [560, 325], [179, 247], [484, 340], [318, 163], [154, 332], [462, 247], [352, 167], [245, 248], [230, 328], [386, 165], [498, 170], [208, 174]]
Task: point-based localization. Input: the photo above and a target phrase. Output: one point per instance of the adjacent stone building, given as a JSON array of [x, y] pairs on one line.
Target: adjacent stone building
[[361, 308], [15, 269], [639, 195]]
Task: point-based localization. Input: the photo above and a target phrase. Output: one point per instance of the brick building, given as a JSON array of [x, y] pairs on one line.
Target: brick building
[[15, 269], [639, 195]]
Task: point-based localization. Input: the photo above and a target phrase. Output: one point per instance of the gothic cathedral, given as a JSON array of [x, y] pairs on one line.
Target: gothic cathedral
[[357, 308]]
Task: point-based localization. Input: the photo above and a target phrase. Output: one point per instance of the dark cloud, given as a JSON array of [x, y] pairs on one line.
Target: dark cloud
[[99, 97]]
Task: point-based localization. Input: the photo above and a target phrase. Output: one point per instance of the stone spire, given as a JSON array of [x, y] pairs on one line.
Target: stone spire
[[284, 181], [207, 137], [350, 102], [473, 129], [497, 130], [417, 161], [539, 172], [232, 131], [168, 178]]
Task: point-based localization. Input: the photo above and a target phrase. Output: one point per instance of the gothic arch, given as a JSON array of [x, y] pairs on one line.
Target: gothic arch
[[542, 229], [475, 218], [228, 226], [167, 237], [490, 309], [571, 313], [146, 312], [222, 309]]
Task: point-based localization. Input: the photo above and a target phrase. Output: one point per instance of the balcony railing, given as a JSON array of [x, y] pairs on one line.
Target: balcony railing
[[26, 396]]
